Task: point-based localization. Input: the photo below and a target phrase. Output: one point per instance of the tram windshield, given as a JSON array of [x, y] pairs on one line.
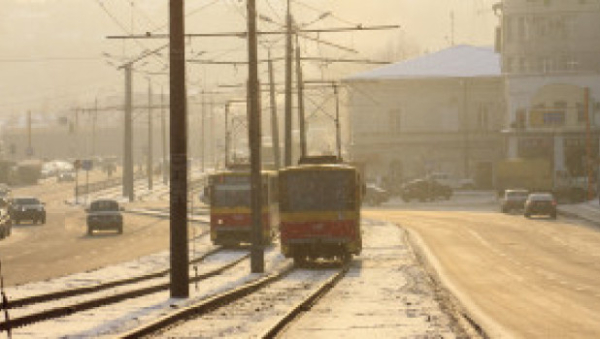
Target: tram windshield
[[319, 191], [231, 195], [235, 195]]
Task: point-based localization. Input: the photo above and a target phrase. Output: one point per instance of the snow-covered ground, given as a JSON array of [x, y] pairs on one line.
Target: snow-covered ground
[[385, 294]]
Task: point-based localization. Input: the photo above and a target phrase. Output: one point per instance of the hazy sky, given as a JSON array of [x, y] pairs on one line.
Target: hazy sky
[[54, 54]]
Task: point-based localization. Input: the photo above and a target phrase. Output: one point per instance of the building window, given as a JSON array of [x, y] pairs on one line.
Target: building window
[[395, 121], [581, 118], [483, 118], [521, 29], [555, 118]]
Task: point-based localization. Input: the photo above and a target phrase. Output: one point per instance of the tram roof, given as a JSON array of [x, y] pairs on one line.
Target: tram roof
[[324, 167]]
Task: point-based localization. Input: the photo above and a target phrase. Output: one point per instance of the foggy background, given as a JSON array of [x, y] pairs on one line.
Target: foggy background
[[54, 54]]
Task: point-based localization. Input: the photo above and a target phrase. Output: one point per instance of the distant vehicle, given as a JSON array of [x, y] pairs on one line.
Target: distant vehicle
[[65, 177], [534, 175], [5, 221], [375, 195], [424, 190], [230, 210], [540, 204], [27, 172], [104, 214], [513, 199], [27, 208], [452, 182]]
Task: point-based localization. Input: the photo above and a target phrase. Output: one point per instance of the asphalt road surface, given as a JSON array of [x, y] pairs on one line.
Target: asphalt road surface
[[36, 252], [527, 278]]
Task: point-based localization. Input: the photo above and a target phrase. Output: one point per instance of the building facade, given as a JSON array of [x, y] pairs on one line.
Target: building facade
[[551, 59], [442, 112]]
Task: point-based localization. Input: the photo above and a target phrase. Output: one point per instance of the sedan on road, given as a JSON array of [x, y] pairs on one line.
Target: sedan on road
[[514, 199], [424, 189], [27, 208], [104, 214], [540, 204]]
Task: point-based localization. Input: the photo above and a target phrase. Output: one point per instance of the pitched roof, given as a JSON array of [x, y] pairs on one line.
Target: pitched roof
[[460, 61]]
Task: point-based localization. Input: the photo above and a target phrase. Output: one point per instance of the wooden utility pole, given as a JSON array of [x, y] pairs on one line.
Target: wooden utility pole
[[338, 132], [94, 122], [202, 131], [588, 143], [178, 197], [288, 88], [300, 88], [257, 261], [29, 145], [150, 161], [274, 120], [163, 127], [128, 136]]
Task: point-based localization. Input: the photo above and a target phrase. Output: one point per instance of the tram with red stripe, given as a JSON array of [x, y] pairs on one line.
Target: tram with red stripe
[[320, 211], [230, 210]]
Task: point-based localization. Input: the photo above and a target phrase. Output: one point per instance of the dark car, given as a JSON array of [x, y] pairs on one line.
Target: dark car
[[27, 208], [514, 199], [104, 214], [5, 221], [65, 177], [375, 195], [540, 204], [424, 189]]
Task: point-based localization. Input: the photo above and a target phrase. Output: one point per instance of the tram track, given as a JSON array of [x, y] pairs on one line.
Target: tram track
[[287, 282], [111, 294]]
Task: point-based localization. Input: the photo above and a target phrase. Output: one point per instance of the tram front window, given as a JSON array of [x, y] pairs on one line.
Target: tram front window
[[319, 191], [231, 196]]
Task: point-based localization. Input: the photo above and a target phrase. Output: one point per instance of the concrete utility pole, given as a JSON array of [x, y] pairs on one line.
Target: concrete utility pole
[[288, 88], [128, 136], [257, 261], [178, 196], [300, 85], [150, 160], [274, 120]]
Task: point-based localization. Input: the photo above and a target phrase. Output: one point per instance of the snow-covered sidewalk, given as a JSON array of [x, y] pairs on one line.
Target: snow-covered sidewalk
[[386, 294], [589, 211]]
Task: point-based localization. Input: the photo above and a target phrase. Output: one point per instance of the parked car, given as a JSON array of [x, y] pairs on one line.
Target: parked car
[[5, 221], [423, 190], [540, 204], [375, 195], [65, 177], [104, 214], [27, 208], [513, 199]]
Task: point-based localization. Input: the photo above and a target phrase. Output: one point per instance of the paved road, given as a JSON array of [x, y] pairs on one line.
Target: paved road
[[525, 278], [62, 246]]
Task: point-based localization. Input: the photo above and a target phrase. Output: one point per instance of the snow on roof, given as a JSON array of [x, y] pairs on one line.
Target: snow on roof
[[460, 61]]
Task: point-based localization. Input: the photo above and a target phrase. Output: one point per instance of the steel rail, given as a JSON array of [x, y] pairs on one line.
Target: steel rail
[[40, 298], [305, 305], [103, 301], [207, 305]]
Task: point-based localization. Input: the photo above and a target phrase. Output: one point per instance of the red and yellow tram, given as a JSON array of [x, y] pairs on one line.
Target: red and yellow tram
[[230, 209], [320, 212]]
